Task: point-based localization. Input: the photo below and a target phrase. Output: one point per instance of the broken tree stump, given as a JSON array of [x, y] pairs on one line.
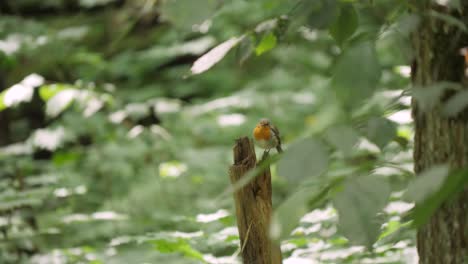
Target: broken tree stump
[[253, 207]]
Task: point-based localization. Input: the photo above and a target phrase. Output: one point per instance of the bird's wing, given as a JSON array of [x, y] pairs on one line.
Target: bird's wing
[[276, 133]]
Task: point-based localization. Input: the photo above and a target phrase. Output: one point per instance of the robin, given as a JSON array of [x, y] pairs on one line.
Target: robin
[[267, 136]]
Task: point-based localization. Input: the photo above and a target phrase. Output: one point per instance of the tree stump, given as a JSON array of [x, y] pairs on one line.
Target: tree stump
[[253, 207]]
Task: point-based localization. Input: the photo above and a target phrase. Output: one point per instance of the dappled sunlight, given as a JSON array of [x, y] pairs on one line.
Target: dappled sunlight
[[23, 91], [160, 131], [365, 144], [319, 215], [65, 192], [220, 260], [92, 107], [226, 233], [101, 216], [221, 103], [49, 139], [333, 255], [167, 106], [108, 215], [403, 70], [135, 131], [398, 207], [18, 93], [231, 120], [117, 117], [304, 98], [11, 44], [60, 101], [401, 117], [172, 169], [207, 218], [299, 260]]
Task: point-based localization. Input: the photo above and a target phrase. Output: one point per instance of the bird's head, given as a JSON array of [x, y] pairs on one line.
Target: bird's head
[[264, 122]]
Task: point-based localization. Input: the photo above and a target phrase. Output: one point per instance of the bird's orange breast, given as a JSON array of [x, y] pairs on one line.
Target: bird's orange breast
[[262, 133]]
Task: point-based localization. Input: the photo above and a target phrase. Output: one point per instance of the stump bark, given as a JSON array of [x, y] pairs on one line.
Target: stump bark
[[253, 207]]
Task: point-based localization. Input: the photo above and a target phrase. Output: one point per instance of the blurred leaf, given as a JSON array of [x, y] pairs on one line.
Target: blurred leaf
[[427, 183], [60, 101], [451, 20], [356, 74], [213, 56], [305, 158], [282, 27], [357, 205], [342, 137], [321, 13], [393, 231], [288, 214], [456, 4], [434, 196], [94, 3], [429, 96], [456, 104], [48, 91], [267, 43], [177, 246], [62, 158], [381, 131], [2, 104], [345, 25], [245, 49], [186, 13]]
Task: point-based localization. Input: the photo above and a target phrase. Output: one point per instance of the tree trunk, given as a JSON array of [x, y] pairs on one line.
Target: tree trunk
[[253, 207], [440, 139]]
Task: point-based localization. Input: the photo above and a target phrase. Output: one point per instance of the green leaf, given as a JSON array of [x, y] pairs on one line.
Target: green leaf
[[48, 91], [305, 158], [429, 96], [245, 49], [213, 56], [427, 183], [356, 74], [357, 205], [451, 20], [288, 214], [267, 43], [177, 246], [345, 25], [456, 104], [381, 131], [186, 13], [342, 137], [2, 104], [321, 13], [449, 189]]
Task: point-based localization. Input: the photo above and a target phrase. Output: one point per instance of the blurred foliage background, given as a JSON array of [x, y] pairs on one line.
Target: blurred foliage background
[[115, 141]]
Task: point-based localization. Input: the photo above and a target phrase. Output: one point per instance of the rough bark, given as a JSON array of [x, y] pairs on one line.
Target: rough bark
[[253, 208], [440, 139]]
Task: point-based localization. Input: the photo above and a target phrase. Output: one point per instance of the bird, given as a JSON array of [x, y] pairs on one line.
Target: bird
[[267, 136]]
